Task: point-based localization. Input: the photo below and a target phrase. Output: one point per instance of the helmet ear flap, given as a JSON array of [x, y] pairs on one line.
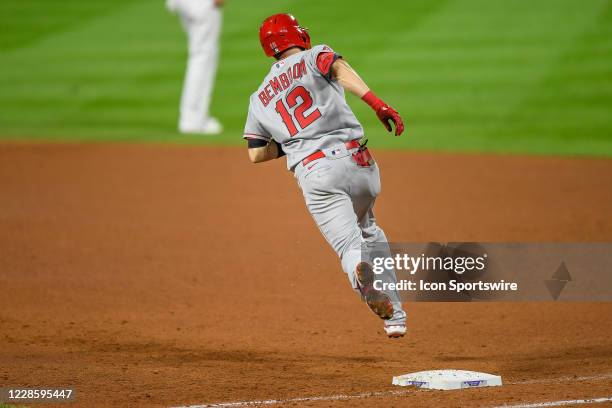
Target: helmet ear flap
[[306, 38]]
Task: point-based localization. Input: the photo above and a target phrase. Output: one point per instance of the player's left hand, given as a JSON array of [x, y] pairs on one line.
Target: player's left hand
[[387, 114], [219, 3]]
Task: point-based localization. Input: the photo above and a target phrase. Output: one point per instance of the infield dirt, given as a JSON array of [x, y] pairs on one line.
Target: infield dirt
[[167, 275]]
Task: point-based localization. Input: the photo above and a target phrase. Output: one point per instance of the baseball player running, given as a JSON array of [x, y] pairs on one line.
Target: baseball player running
[[300, 111]]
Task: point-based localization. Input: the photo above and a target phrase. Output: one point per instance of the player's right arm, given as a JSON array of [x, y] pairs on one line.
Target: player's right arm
[[261, 146], [352, 82], [261, 151]]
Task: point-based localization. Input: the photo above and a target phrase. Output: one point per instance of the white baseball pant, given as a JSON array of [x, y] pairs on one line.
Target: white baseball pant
[[201, 20]]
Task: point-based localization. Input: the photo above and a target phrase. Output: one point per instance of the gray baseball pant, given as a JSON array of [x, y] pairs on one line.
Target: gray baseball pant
[[340, 196]]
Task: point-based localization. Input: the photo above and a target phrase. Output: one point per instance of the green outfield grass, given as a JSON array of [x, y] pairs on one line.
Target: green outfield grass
[[467, 75]]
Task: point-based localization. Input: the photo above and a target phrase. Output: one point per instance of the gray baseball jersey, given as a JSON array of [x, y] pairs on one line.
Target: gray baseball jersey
[[301, 106]]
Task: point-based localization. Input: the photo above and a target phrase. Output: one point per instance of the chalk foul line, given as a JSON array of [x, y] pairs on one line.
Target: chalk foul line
[[559, 403], [341, 397], [338, 397]]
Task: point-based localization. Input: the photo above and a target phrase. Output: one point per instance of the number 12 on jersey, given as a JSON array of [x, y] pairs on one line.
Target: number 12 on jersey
[[299, 92]]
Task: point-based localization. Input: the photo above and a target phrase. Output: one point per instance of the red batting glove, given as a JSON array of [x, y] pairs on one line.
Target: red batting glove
[[384, 112]]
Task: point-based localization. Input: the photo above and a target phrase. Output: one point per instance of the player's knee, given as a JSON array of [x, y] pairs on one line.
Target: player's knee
[[351, 242]]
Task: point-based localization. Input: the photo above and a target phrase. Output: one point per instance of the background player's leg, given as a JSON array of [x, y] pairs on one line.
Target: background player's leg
[[213, 22], [203, 28]]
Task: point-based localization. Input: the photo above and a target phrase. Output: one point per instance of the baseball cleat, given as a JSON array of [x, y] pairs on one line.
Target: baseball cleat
[[376, 300], [210, 127], [395, 331]]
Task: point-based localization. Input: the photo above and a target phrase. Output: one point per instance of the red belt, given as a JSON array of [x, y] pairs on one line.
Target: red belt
[[353, 144]]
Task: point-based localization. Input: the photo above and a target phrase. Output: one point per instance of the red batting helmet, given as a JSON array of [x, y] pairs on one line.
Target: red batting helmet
[[281, 32]]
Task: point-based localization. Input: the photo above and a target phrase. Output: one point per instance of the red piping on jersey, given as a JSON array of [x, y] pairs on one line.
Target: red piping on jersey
[[255, 136]]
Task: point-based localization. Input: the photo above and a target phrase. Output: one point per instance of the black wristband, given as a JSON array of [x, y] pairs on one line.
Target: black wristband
[[255, 143]]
